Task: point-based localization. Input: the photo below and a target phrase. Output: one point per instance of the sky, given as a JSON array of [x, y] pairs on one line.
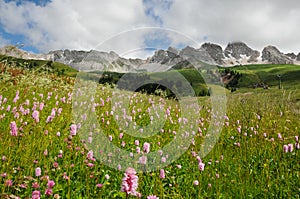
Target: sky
[[125, 26]]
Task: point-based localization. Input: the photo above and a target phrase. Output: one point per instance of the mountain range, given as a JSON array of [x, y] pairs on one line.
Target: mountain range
[[235, 53]]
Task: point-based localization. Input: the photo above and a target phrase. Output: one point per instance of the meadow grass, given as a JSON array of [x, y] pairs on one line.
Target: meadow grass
[[248, 160]]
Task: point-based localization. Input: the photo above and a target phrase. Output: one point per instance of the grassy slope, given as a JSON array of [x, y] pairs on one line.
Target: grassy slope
[[40, 65], [256, 169], [267, 74]]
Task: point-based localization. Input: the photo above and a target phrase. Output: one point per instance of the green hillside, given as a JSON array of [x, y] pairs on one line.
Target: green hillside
[[40, 65], [251, 74]]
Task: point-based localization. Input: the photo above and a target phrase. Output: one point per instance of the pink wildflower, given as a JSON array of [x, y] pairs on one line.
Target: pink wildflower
[[143, 160], [146, 147], [8, 183], [162, 174], [130, 182], [201, 166], [48, 192], [290, 147], [35, 185], [13, 129], [50, 184], [73, 129], [38, 172], [35, 116], [36, 194]]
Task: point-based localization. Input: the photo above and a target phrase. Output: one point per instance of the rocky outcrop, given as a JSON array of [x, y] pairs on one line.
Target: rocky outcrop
[[298, 57], [291, 55], [215, 52], [238, 49], [271, 54], [14, 51]]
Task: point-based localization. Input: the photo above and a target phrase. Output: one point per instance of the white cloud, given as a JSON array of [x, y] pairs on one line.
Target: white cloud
[[77, 24], [258, 22], [73, 24]]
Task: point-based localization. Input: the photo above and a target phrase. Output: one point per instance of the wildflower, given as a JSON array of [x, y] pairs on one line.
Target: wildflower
[[4, 158], [48, 192], [123, 144], [99, 185], [196, 182], [146, 147], [201, 166], [50, 184], [106, 176], [36, 194], [35, 116], [90, 155], [13, 129], [73, 129], [178, 166], [143, 160], [136, 142], [130, 182], [152, 197], [35, 185], [279, 136], [65, 176], [163, 159], [199, 159], [162, 174], [285, 148], [38, 172], [290, 147], [8, 183], [55, 165], [90, 164]]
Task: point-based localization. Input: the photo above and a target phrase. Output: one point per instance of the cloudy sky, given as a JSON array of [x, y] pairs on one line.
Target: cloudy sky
[[46, 25]]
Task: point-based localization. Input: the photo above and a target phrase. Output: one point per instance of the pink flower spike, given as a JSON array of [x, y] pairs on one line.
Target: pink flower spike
[[13, 129], [201, 166], [162, 174], [73, 129], [290, 147], [38, 172], [50, 184], [36, 194], [130, 182], [146, 147], [48, 192]]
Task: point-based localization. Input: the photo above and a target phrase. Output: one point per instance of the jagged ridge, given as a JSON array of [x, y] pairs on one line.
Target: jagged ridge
[[235, 53]]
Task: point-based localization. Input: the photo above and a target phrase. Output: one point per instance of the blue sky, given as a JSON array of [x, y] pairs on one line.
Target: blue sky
[[46, 25]]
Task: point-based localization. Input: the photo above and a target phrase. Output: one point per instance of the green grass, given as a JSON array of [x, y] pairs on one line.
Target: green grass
[[267, 74], [246, 164]]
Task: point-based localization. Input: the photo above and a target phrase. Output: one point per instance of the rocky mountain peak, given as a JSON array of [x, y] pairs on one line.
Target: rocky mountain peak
[[236, 49], [272, 55], [215, 52]]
